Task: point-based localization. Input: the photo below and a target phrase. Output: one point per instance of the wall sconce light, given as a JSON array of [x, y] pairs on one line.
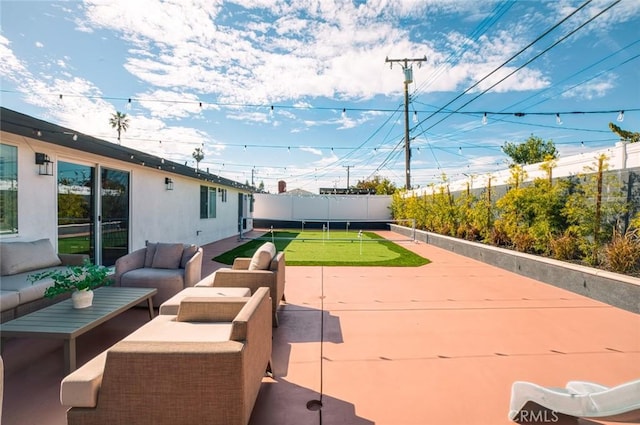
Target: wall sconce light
[[45, 167], [168, 183]]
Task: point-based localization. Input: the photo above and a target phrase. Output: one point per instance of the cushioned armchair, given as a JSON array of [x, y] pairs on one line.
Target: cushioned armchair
[[265, 268], [169, 267]]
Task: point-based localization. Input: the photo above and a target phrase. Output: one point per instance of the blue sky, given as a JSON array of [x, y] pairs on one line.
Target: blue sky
[[300, 91]]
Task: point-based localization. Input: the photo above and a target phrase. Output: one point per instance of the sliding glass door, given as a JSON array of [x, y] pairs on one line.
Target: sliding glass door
[[76, 212], [114, 223], [79, 210]]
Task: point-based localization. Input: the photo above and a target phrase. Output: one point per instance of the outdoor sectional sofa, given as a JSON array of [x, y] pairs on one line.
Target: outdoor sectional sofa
[[265, 268], [18, 260], [202, 366]]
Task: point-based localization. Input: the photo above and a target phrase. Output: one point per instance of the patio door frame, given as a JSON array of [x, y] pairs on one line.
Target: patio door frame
[[95, 207]]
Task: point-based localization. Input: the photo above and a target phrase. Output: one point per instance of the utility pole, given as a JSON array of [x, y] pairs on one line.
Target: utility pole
[[348, 167], [406, 65]]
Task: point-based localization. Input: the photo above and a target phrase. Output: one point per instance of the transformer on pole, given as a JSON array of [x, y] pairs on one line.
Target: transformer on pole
[[406, 65]]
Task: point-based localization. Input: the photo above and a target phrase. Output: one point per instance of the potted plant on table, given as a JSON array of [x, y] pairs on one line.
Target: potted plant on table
[[79, 280]]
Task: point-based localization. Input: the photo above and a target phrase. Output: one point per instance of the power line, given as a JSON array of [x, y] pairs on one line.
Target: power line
[[540, 37], [475, 35], [531, 60], [540, 93]]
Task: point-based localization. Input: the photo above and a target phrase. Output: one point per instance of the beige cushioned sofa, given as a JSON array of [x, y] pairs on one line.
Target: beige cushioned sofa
[[203, 366], [18, 260]]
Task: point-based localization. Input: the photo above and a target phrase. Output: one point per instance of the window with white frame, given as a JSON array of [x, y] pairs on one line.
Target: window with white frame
[[8, 189], [207, 202]]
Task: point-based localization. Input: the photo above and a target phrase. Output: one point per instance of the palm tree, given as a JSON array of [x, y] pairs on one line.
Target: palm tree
[[198, 155], [120, 122]]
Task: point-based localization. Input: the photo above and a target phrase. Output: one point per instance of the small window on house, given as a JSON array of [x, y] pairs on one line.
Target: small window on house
[[207, 202], [8, 189], [223, 194]]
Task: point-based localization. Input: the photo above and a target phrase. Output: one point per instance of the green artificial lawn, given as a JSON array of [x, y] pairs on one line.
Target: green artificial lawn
[[337, 248]]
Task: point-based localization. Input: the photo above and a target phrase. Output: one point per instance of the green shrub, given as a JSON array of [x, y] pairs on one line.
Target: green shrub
[[523, 242], [622, 254], [566, 247]]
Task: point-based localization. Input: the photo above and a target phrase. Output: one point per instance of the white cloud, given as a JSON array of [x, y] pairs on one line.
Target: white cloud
[[166, 104], [10, 66], [311, 150], [593, 89]]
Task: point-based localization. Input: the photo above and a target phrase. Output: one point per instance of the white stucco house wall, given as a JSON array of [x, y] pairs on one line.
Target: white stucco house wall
[[46, 169]]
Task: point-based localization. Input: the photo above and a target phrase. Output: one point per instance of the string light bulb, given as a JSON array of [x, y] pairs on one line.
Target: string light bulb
[[558, 119], [128, 105], [620, 116], [344, 113], [484, 119], [415, 117], [75, 137]]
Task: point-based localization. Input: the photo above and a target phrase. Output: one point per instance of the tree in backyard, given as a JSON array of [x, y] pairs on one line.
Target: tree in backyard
[[464, 207], [531, 215], [625, 135], [531, 151], [592, 212], [513, 212], [198, 155], [380, 185], [120, 122]]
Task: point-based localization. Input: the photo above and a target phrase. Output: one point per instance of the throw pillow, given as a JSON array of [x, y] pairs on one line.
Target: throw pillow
[[262, 257], [209, 309], [19, 257], [189, 251], [151, 251], [167, 256]]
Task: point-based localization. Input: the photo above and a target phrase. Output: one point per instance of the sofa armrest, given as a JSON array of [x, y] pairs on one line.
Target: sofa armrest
[[168, 383], [193, 269], [73, 259], [253, 321], [128, 262], [241, 263], [80, 388]]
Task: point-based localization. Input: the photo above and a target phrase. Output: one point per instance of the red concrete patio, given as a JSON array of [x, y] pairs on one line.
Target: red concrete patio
[[438, 344]]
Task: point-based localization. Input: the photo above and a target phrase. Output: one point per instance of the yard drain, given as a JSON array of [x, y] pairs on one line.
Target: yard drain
[[314, 405]]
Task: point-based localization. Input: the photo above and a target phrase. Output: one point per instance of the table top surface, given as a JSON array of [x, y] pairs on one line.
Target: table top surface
[[61, 320]]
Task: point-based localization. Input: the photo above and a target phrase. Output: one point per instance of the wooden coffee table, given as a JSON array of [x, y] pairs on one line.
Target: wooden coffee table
[[62, 321]]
